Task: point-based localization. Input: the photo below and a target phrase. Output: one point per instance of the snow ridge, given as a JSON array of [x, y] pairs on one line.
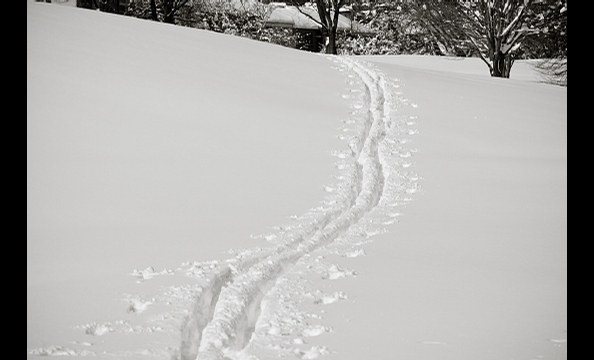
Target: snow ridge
[[227, 310]]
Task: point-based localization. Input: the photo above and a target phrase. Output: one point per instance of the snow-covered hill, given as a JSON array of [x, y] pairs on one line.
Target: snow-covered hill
[[196, 195]]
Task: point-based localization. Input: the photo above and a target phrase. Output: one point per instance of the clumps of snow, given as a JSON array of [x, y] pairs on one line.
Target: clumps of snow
[[270, 237], [97, 329], [315, 330], [119, 326], [332, 298], [354, 253], [149, 273], [328, 189], [370, 233], [336, 272], [200, 270], [60, 351], [388, 222], [137, 305], [413, 188], [411, 119], [298, 341], [84, 343], [394, 214], [312, 353]]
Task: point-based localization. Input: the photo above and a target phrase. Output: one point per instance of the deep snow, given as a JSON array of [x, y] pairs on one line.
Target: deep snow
[[159, 157], [478, 263]]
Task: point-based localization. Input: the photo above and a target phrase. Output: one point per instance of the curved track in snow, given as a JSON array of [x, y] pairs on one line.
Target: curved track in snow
[[249, 306], [373, 181]]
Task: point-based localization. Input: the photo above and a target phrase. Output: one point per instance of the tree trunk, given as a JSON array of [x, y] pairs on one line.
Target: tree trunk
[[498, 60], [328, 13], [331, 48], [502, 64], [508, 64], [154, 11], [169, 18], [168, 7], [333, 26]]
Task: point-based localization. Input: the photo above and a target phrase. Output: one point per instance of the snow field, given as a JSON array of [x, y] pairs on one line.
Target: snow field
[[221, 312], [474, 268], [461, 267], [238, 311], [242, 309]]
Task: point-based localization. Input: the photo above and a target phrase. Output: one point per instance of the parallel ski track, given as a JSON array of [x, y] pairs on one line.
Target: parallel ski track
[[228, 307]]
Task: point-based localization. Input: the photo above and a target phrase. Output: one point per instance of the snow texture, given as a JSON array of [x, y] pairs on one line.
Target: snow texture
[[396, 215]]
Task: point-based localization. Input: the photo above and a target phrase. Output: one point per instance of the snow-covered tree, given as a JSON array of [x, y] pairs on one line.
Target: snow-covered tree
[[328, 11], [504, 25], [161, 10], [397, 29], [494, 28]]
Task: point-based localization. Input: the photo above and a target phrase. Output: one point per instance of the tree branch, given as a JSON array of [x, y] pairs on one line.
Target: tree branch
[[481, 54], [298, 7]]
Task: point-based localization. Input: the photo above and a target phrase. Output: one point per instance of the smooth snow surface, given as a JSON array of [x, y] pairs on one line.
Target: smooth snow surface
[[192, 195]]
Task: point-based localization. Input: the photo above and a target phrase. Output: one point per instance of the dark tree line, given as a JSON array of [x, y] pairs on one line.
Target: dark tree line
[[497, 31], [214, 15], [166, 11]]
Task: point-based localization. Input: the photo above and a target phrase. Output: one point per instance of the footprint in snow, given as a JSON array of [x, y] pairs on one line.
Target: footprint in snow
[[315, 330], [336, 272], [150, 273], [329, 299], [312, 353], [355, 253], [96, 329], [137, 306]]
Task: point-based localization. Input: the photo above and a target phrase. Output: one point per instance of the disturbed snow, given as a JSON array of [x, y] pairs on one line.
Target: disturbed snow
[[249, 304], [275, 300]]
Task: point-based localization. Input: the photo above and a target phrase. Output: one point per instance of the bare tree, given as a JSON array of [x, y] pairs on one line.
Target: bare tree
[[550, 44]]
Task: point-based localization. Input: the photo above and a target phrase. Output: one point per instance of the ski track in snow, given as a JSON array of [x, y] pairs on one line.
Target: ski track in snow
[[246, 304]]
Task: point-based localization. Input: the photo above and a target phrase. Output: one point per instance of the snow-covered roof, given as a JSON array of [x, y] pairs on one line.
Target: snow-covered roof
[[307, 18]]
